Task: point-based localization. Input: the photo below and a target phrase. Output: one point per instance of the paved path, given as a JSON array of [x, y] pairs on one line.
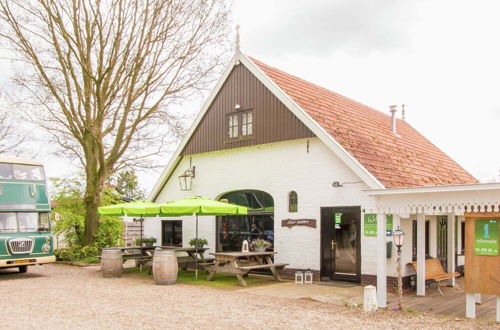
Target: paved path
[[69, 297]]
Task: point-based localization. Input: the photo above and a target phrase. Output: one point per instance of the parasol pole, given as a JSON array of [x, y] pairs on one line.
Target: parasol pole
[[196, 251], [141, 220]]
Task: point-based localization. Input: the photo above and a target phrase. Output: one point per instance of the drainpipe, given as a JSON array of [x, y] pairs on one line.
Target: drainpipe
[[393, 111]]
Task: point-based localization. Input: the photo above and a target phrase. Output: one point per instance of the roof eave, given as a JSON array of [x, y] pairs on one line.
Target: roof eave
[[434, 189]]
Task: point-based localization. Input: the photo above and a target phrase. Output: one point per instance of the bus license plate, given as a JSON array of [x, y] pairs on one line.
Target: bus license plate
[[17, 262]]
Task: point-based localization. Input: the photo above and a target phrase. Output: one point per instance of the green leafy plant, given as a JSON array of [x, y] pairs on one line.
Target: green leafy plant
[[260, 243], [151, 240], [200, 242]]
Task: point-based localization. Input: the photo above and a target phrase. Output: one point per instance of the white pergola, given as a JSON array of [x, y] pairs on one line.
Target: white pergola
[[453, 200]]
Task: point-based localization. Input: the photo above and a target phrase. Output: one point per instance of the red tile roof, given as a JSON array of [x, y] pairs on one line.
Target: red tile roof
[[405, 161]]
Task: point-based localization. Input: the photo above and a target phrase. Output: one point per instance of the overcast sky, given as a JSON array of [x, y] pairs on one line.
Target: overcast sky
[[440, 58]]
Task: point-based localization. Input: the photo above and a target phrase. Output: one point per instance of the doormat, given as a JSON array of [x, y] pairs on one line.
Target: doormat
[[338, 284]]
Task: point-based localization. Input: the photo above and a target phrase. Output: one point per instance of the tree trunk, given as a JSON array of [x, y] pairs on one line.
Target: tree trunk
[[95, 174]]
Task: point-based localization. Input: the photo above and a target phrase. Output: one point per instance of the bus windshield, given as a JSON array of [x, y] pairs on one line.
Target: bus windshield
[[24, 222], [21, 172], [8, 223]]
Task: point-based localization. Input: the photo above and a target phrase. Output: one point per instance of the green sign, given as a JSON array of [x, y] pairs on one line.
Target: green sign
[[338, 217], [370, 224], [486, 237]]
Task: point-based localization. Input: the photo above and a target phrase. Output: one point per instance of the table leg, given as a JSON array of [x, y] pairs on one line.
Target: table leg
[[242, 280], [211, 274], [276, 275]]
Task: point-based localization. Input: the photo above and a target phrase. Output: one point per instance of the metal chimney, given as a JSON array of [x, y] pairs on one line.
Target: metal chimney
[[393, 111], [403, 112]]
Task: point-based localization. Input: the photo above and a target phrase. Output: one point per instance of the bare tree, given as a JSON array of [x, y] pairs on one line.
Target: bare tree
[[104, 74], [12, 137]]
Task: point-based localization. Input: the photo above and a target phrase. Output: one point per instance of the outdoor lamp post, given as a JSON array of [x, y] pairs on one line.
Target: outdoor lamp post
[[399, 238]]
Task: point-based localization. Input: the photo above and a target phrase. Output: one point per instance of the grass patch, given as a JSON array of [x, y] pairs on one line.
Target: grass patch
[[221, 280]]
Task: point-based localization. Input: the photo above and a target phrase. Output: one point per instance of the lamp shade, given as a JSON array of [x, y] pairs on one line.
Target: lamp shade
[[399, 237]]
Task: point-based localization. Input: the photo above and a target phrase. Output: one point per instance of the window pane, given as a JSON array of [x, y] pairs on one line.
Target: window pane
[[5, 171], [8, 223], [28, 172], [43, 222], [244, 119], [249, 117], [249, 129], [244, 130], [235, 120], [28, 222], [235, 131]]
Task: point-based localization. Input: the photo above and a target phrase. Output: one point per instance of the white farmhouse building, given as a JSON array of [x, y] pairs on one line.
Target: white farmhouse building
[[291, 150]]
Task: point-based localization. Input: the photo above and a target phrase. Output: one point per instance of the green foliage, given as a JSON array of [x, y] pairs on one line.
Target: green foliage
[[68, 196], [201, 241], [145, 240], [127, 185]]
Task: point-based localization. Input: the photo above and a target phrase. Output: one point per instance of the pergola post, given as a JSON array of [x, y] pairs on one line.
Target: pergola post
[[451, 246], [420, 254], [381, 261]]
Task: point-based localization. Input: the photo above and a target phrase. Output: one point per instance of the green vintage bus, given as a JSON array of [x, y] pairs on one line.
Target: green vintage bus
[[25, 238]]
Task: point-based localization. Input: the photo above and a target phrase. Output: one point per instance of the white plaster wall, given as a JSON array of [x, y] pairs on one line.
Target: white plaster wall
[[277, 169]]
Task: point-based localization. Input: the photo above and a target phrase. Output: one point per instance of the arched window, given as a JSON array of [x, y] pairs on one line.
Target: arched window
[[293, 202]]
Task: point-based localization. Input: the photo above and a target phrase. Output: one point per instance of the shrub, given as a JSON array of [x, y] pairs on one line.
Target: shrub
[[201, 241]]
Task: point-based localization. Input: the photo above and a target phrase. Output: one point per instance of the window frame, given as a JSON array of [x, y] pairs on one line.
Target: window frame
[[293, 195], [239, 117]]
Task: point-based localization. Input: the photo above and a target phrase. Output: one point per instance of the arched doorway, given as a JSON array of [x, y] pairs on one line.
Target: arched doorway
[[258, 223]]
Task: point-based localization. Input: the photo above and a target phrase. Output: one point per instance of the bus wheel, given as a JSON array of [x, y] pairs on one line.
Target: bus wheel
[[23, 269]]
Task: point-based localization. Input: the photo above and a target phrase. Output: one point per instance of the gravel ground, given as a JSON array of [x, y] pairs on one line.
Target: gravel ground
[[63, 297]]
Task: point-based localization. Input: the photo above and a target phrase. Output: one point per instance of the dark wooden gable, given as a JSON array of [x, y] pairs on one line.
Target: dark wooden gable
[[272, 121]]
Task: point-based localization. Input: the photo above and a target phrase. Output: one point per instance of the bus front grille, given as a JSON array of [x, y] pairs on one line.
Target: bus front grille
[[21, 245]]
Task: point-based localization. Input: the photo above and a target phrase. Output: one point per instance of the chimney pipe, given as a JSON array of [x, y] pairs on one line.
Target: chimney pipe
[[403, 112], [393, 111]]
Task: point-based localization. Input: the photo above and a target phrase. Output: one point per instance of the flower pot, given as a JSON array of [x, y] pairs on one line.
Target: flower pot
[[259, 249], [199, 246], [148, 244]]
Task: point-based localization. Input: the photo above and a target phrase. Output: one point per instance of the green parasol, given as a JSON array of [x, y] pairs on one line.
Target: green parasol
[[132, 209], [199, 206]]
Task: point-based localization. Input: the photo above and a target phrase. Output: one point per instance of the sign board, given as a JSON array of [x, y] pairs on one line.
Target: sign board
[[370, 224], [482, 260], [298, 222], [486, 237]]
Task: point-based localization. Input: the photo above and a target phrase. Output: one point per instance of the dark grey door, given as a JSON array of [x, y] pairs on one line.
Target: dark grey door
[[442, 240], [340, 243]]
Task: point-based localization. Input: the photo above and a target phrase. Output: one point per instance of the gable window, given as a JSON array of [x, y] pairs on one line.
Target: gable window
[[240, 125], [232, 126], [293, 203]]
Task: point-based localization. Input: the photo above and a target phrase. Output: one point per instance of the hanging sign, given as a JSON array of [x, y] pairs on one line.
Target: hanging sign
[[370, 224], [298, 222], [486, 237]]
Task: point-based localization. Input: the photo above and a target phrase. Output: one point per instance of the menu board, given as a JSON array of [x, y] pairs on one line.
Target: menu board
[[370, 224], [486, 237]]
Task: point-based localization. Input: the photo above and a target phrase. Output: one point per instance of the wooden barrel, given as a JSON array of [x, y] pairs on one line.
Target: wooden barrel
[[165, 267], [111, 263]]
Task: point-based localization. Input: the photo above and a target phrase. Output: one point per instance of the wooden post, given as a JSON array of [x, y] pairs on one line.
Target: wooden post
[[381, 261], [421, 254], [451, 246], [498, 308]]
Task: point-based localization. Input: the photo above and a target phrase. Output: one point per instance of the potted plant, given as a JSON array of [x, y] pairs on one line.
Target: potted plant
[[260, 245], [199, 244], [146, 241]]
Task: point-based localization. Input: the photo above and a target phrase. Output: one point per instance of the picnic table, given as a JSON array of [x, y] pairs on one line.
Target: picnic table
[[189, 255], [241, 263]]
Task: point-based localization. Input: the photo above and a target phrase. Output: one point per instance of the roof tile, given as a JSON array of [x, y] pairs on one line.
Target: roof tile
[[405, 161]]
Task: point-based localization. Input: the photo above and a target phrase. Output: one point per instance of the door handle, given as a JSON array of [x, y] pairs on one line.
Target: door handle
[[333, 245]]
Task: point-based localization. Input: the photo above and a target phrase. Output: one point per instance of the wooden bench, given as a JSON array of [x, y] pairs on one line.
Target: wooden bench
[[252, 267], [434, 271]]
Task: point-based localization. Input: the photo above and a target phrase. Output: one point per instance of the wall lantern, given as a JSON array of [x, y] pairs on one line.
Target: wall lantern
[[186, 179], [399, 238]]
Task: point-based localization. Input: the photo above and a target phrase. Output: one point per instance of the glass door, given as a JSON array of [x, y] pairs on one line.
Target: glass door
[[341, 253]]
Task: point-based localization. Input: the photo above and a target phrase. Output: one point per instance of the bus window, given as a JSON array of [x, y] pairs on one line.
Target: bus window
[[28, 172], [28, 222], [5, 171], [43, 222], [8, 223]]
